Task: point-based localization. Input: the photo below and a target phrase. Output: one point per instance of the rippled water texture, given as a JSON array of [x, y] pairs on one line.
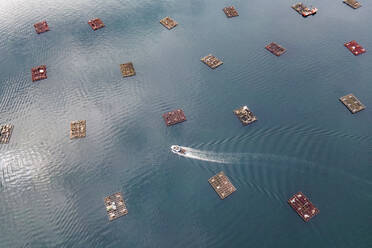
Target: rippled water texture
[[52, 188]]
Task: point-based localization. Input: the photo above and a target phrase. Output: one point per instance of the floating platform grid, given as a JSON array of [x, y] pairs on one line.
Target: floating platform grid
[[5, 133], [127, 70], [41, 27], [168, 22], [174, 117], [352, 103], [304, 208], [275, 49], [303, 10], [355, 48], [39, 73], [78, 129], [230, 11], [115, 206], [222, 185], [96, 24], [211, 61], [353, 3], [245, 115]]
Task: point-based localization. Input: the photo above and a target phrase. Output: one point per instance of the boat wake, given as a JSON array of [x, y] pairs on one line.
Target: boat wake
[[234, 158]]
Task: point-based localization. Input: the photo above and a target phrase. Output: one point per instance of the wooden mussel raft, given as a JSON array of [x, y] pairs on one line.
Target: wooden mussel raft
[[303, 10], [353, 3], [211, 61], [168, 22], [230, 11], [41, 27], [127, 70], [352, 103], [78, 129], [38, 73], [304, 208], [174, 117], [245, 115], [222, 185], [275, 49], [5, 133], [354, 47], [96, 24], [115, 206]]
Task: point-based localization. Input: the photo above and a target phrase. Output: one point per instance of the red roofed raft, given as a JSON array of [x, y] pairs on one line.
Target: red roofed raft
[[304, 208], [38, 73], [41, 27], [275, 49], [355, 48], [96, 24], [174, 117], [222, 185], [230, 11]]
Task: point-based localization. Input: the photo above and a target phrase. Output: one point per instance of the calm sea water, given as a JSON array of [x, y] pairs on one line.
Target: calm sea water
[[52, 188]]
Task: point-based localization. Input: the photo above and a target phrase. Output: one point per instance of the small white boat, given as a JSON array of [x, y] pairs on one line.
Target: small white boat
[[178, 150]]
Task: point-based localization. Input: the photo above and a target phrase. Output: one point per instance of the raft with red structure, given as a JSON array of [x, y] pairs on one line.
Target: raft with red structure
[[96, 24], [41, 27], [38, 73], [304, 208], [355, 48], [174, 117]]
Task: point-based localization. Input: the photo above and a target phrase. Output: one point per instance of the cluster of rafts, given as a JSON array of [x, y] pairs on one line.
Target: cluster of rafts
[[115, 205]]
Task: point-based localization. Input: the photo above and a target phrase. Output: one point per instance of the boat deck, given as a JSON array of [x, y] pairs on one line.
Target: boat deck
[[41, 27], [352, 103], [115, 206], [39, 73], [275, 49], [78, 129], [5, 133], [211, 61], [127, 70], [230, 11], [96, 24], [355, 48], [245, 115], [174, 117], [222, 185], [304, 208], [353, 3], [168, 22]]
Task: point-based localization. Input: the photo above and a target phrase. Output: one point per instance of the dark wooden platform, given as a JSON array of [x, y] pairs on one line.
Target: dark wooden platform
[[275, 49], [355, 48], [115, 206], [352, 103], [168, 22], [41, 27], [230, 11], [353, 3], [5, 133], [127, 70], [222, 185], [304, 208], [245, 115], [39, 73], [96, 24], [78, 129], [211, 61], [174, 117]]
